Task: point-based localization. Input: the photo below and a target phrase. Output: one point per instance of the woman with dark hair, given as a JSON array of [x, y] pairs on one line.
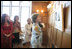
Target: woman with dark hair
[[6, 32], [36, 39], [16, 32]]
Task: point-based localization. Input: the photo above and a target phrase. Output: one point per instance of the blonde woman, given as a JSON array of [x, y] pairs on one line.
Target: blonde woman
[[28, 30]]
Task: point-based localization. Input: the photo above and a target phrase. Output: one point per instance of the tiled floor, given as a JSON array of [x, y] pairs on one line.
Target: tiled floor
[[28, 45]]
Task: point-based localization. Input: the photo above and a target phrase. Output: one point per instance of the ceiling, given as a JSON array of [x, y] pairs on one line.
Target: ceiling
[[41, 1]]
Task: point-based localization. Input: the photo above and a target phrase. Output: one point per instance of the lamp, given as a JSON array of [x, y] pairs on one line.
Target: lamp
[[42, 11], [37, 11]]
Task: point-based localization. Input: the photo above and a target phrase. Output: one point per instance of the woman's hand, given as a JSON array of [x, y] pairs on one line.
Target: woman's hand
[[20, 33], [8, 35], [5, 35], [29, 34]]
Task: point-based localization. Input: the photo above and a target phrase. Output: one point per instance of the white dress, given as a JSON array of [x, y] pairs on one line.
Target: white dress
[[28, 32], [36, 39]]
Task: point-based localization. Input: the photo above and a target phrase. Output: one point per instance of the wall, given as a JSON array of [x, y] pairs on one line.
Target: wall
[[67, 16], [57, 38]]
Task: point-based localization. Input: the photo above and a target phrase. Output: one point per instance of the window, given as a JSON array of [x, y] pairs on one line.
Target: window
[[20, 8], [15, 11], [25, 3], [5, 10], [24, 15], [6, 3], [5, 7], [15, 3]]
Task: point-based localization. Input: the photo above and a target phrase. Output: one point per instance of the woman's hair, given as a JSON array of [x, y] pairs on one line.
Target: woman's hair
[[3, 19], [15, 19], [34, 17], [40, 25], [28, 19]]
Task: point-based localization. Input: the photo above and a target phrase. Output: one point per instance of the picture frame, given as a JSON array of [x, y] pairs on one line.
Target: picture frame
[[59, 18]]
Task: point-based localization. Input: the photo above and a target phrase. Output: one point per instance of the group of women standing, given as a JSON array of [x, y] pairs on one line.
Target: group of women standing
[[10, 31]]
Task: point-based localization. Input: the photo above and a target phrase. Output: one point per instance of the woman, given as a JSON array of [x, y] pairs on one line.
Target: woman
[[10, 19], [36, 39], [28, 31], [16, 32], [6, 32]]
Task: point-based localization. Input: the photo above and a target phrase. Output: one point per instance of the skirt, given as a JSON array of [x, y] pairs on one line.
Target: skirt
[[6, 42]]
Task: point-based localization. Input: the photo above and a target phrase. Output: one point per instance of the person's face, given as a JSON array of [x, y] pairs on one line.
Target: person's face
[[17, 18], [38, 19], [6, 18], [29, 20]]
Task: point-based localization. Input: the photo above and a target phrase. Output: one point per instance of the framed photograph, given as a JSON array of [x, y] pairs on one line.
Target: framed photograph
[[59, 18], [57, 15]]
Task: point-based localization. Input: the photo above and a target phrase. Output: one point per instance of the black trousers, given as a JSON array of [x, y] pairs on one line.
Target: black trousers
[[16, 39]]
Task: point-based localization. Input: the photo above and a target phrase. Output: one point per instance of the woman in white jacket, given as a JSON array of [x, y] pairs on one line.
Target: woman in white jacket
[[36, 39]]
